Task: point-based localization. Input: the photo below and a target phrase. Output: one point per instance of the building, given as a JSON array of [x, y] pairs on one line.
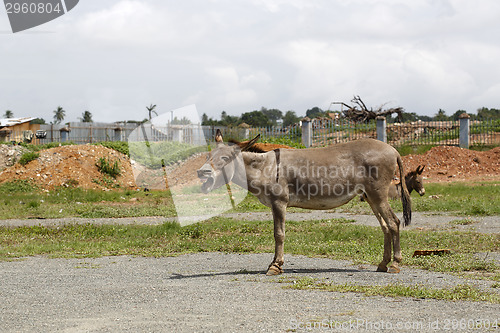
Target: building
[[17, 129]]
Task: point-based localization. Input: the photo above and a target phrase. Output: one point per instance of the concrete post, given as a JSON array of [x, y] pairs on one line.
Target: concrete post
[[307, 132], [64, 134], [117, 134], [381, 129], [464, 140], [177, 135]]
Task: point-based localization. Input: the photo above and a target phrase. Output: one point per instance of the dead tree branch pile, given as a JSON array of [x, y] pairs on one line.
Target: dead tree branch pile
[[359, 113]]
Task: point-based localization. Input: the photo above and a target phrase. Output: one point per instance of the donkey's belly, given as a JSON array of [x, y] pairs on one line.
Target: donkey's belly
[[319, 202]]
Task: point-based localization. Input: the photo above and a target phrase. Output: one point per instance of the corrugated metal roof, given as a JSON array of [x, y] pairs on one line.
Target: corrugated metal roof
[[14, 121]]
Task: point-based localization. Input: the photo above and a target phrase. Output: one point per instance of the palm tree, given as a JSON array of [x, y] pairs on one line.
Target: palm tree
[[8, 114], [59, 115], [86, 117], [151, 109]]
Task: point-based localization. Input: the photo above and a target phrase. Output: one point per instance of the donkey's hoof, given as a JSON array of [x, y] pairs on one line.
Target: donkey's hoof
[[382, 268], [393, 269], [274, 269]]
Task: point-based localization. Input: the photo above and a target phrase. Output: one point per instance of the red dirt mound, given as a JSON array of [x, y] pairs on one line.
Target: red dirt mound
[[445, 163], [72, 166]]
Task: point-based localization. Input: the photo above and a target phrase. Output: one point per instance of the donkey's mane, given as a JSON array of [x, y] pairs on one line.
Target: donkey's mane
[[253, 149]]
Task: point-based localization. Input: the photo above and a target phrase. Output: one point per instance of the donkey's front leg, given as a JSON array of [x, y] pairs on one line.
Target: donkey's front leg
[[279, 210]]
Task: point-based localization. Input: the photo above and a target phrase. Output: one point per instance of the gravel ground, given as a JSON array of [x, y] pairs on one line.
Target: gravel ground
[[215, 292]]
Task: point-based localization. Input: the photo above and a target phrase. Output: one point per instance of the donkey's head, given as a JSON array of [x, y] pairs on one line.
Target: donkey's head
[[223, 163], [415, 181]]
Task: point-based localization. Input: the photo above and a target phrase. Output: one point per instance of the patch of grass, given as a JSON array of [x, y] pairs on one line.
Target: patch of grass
[[119, 146], [416, 150], [482, 147], [28, 157], [461, 292], [156, 154], [295, 143], [334, 239], [251, 204], [18, 186], [38, 147], [467, 221], [478, 199], [77, 202], [107, 182]]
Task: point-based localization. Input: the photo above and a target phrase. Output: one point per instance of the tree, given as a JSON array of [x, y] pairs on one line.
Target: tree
[[272, 114], [227, 120], [315, 112], [8, 114], [183, 121], [151, 110], [86, 117], [204, 119], [40, 121], [425, 118], [441, 115], [255, 119], [59, 115], [290, 118], [405, 117], [488, 114], [457, 114]]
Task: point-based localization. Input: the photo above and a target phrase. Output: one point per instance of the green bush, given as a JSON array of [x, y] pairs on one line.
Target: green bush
[[119, 146], [28, 157], [106, 167]]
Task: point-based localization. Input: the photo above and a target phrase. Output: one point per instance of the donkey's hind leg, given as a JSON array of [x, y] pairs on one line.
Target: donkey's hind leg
[[393, 224], [382, 267]]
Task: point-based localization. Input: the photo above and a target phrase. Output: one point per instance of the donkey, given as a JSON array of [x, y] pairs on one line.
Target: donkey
[[414, 182], [318, 178]]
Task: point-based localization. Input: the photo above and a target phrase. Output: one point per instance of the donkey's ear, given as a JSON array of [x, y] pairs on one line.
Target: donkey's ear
[[250, 143], [420, 169], [218, 136]]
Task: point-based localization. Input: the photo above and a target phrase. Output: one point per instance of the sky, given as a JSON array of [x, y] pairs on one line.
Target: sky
[[115, 57]]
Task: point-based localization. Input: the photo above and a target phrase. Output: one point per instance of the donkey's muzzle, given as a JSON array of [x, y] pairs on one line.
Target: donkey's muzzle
[[204, 173]]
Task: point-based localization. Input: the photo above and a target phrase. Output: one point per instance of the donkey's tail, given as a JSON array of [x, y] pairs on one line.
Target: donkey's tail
[[405, 195]]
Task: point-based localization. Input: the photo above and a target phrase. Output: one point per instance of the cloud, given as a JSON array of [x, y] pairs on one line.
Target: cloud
[[116, 56], [125, 22], [231, 88]]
